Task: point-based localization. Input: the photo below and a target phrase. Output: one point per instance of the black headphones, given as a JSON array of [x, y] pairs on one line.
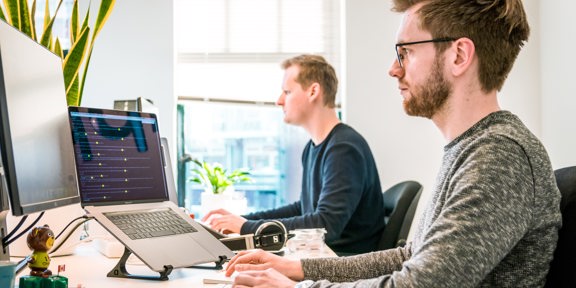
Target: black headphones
[[270, 236]]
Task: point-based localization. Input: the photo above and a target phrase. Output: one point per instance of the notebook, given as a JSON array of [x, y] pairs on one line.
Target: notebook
[[120, 169]]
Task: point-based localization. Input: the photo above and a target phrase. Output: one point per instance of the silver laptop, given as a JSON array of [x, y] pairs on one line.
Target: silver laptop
[[121, 174]]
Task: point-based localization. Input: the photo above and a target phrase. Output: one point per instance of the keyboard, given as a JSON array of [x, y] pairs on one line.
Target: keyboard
[[148, 224]]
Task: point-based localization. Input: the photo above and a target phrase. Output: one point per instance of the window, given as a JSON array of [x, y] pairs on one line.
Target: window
[[228, 78]]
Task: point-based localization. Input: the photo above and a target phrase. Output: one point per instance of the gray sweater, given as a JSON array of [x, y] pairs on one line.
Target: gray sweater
[[492, 220]]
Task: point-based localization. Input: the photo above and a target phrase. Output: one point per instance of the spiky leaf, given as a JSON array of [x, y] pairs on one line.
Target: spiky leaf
[[47, 33]]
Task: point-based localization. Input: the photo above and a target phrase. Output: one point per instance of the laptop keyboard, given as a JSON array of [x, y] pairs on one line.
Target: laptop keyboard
[[149, 224]]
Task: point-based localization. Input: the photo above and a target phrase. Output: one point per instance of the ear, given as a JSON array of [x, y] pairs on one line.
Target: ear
[[314, 92], [464, 55]]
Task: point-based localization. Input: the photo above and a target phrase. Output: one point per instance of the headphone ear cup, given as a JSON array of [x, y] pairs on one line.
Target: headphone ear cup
[[271, 235]]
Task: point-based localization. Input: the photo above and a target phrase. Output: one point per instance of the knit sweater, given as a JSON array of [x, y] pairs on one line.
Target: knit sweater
[[492, 220]]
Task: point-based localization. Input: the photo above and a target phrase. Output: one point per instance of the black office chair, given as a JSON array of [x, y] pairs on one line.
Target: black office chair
[[563, 267], [400, 202]]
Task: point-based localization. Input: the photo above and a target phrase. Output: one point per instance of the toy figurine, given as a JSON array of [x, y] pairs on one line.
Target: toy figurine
[[40, 240]]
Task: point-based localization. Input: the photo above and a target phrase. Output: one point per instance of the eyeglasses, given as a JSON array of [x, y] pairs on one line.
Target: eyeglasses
[[402, 55]]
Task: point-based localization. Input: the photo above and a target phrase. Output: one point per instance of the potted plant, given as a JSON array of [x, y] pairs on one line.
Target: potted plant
[[215, 178], [18, 14], [219, 187]]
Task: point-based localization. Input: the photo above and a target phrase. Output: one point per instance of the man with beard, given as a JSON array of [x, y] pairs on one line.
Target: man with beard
[[493, 218]]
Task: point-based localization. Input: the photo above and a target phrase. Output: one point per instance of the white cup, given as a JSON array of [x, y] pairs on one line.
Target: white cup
[[7, 273]]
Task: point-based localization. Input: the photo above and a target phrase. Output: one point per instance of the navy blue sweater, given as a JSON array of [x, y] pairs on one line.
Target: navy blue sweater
[[340, 192]]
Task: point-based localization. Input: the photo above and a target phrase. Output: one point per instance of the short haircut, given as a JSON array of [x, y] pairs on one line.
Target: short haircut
[[498, 28], [315, 69]]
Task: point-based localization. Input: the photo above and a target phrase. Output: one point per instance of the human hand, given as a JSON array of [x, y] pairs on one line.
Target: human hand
[[216, 212], [262, 278], [260, 260], [222, 220]]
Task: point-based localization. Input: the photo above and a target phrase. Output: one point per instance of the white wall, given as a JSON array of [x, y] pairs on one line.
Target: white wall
[[558, 102], [134, 56]]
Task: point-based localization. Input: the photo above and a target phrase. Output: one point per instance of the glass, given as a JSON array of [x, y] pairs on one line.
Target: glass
[[400, 45], [241, 136], [306, 240]]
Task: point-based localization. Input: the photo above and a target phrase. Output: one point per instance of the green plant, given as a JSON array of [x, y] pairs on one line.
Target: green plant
[[216, 178], [21, 16]]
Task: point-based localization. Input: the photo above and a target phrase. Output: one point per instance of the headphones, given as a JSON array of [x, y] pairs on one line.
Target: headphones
[[270, 236]]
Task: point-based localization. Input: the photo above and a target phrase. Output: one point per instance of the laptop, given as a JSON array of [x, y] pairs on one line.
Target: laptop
[[121, 173]]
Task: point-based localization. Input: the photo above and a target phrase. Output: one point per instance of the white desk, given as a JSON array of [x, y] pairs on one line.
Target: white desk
[[87, 268]]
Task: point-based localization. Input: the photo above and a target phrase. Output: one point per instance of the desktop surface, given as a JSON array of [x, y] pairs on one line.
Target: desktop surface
[[87, 268]]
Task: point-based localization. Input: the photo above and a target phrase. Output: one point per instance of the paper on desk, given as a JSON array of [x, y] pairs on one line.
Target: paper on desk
[[219, 278]]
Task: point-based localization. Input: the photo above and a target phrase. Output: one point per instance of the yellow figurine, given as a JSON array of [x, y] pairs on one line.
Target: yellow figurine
[[40, 240]]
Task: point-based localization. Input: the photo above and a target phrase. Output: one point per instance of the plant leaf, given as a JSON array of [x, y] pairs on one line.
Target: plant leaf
[[47, 33], [103, 14], [74, 31], [24, 19], [12, 12], [32, 21], [58, 48], [72, 64], [2, 16]]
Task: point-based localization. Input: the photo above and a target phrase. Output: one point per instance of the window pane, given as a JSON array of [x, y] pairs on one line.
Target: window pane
[[302, 29], [200, 26], [237, 81], [243, 136], [253, 26]]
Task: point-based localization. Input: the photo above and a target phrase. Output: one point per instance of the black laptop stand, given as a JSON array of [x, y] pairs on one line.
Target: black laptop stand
[[120, 271]]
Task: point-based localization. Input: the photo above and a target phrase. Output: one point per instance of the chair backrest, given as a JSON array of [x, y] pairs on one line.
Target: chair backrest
[[563, 267], [400, 202]]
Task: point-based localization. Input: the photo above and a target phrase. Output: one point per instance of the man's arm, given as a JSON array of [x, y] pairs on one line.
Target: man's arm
[[482, 217]]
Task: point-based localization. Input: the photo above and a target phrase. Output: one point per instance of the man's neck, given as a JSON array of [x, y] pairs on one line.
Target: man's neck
[[320, 124], [461, 113]]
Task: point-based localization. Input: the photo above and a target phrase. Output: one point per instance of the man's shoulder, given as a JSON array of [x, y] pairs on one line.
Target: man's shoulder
[[342, 132]]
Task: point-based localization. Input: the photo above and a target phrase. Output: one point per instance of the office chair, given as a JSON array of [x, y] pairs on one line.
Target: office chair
[[400, 202], [563, 267]]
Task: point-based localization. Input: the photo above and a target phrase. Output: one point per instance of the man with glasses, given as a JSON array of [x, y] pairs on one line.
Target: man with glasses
[[493, 217]]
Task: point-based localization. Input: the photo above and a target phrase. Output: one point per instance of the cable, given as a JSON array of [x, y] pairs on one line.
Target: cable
[[8, 242], [70, 223], [22, 220], [86, 219]]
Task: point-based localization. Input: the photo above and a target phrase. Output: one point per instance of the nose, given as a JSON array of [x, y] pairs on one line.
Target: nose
[[280, 100], [395, 69]]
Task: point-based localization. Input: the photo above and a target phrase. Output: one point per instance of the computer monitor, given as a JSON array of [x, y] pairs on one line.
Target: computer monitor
[[35, 140]]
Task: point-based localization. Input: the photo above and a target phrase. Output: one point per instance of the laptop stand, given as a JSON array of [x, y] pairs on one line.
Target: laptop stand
[[218, 264], [119, 271]]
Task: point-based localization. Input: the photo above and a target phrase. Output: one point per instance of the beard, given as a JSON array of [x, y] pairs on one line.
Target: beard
[[428, 99]]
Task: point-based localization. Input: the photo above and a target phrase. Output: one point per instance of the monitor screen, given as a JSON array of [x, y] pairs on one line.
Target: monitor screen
[[35, 140]]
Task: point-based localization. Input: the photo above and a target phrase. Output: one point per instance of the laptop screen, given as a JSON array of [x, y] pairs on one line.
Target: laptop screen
[[118, 157]]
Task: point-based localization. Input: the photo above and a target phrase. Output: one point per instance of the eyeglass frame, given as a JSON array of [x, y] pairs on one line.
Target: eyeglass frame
[[436, 40]]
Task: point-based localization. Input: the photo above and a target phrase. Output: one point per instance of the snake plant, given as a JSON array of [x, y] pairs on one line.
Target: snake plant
[[20, 15]]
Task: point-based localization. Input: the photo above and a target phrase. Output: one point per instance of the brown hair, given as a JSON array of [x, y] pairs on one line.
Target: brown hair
[[315, 69], [498, 29]]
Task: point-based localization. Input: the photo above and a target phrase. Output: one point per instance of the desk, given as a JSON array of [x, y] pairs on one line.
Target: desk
[[87, 268]]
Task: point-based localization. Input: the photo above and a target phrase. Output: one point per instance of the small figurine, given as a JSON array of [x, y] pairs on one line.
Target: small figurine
[[40, 240]]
